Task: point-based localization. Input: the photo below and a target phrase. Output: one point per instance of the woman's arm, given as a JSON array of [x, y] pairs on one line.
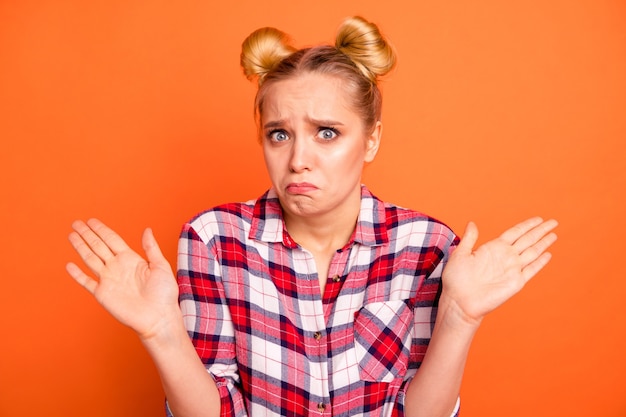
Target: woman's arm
[[144, 296], [475, 282]]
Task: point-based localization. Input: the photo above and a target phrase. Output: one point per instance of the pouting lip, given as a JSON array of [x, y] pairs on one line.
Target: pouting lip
[[300, 187]]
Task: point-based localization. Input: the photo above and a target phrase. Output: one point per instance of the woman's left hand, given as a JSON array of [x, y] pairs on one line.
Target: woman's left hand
[[477, 281]]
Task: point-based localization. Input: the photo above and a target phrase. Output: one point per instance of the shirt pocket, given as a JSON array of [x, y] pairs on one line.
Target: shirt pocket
[[382, 340]]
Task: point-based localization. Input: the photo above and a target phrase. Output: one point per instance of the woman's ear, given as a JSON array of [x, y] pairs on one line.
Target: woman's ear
[[373, 142]]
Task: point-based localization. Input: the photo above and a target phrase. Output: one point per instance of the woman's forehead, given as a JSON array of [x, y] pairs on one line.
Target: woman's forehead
[[317, 95]]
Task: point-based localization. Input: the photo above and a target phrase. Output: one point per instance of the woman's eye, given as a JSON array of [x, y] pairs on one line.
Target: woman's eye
[[278, 136], [327, 133]]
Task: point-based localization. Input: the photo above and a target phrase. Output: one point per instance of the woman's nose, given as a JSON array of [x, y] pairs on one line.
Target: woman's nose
[[301, 155]]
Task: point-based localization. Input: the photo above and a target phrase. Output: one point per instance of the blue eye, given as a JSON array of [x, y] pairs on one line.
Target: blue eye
[[278, 135], [327, 133]]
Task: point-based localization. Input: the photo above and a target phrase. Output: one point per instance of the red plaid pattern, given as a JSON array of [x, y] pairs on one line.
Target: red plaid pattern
[[275, 345], [382, 339]]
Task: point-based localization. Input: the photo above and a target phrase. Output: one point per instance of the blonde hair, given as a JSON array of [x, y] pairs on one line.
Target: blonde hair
[[360, 56]]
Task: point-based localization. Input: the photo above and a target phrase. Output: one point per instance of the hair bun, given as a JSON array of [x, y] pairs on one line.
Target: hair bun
[[363, 43], [262, 50]]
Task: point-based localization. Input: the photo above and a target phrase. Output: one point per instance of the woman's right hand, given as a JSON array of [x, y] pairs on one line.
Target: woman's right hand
[[140, 294]]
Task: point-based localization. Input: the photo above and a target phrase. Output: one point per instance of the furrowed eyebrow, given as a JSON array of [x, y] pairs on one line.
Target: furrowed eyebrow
[[317, 122], [273, 124], [325, 122]]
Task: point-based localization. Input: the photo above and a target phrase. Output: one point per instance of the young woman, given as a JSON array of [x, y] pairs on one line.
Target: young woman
[[316, 298]]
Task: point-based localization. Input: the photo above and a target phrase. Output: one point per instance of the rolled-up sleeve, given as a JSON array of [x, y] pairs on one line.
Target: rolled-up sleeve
[[425, 313], [207, 317]]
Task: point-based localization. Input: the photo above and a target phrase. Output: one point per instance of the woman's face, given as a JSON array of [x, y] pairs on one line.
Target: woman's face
[[315, 146]]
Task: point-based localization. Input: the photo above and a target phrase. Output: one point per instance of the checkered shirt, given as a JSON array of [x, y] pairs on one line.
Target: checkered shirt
[[275, 345]]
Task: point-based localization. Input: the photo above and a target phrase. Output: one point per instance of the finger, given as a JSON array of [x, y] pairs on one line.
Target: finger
[[537, 265], [83, 279], [151, 247], [511, 235], [536, 250], [112, 239], [534, 235], [470, 236], [91, 259], [93, 241]]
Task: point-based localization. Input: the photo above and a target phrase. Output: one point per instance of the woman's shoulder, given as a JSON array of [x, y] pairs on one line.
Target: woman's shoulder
[[407, 220], [402, 223], [224, 219], [226, 212]]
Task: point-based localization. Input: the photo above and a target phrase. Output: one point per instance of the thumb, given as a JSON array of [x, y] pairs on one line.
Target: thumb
[[151, 247], [470, 236]]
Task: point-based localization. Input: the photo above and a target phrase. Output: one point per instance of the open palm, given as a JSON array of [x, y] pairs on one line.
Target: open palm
[[139, 293], [479, 280]]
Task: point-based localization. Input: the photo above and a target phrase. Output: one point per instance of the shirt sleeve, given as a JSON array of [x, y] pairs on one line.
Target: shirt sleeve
[[207, 317], [399, 407], [425, 311]]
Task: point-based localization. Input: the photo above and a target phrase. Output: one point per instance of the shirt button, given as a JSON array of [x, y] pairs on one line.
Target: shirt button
[[317, 336], [336, 278], [321, 407]]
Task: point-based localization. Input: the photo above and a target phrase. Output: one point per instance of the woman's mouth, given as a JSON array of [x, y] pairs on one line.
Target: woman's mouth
[[300, 188]]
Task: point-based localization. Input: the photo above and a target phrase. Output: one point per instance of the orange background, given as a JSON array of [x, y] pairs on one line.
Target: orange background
[[137, 113]]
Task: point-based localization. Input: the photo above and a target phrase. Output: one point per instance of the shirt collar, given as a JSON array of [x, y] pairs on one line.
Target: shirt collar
[[268, 224]]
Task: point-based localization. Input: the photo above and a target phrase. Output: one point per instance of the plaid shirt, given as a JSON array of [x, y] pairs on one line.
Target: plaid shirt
[[275, 345]]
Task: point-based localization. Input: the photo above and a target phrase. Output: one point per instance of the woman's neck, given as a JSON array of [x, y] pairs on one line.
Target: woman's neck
[[326, 232]]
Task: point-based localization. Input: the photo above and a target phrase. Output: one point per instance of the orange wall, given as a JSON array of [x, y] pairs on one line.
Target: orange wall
[[137, 113]]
